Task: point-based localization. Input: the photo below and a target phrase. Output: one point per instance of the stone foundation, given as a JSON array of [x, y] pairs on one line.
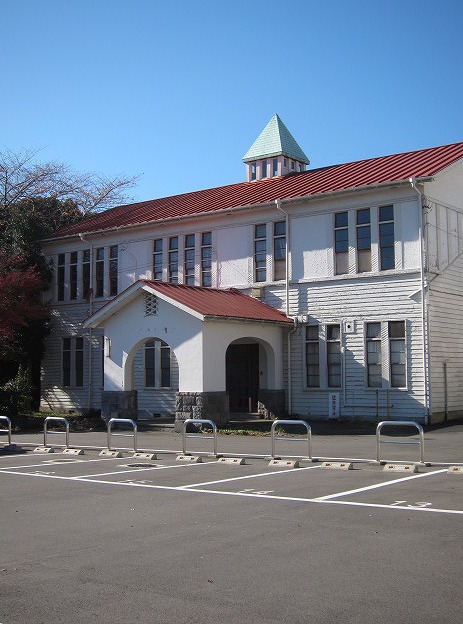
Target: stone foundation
[[271, 404], [119, 404], [201, 405]]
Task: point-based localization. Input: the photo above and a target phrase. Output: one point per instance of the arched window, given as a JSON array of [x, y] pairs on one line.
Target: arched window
[[157, 364]]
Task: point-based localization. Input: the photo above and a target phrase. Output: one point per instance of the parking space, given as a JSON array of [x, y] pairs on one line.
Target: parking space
[[431, 489], [125, 539]]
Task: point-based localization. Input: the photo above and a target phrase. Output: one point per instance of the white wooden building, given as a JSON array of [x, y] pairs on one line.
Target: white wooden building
[[322, 293]]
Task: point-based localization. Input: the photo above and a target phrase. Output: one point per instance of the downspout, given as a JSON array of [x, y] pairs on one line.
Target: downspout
[[290, 333], [424, 332], [90, 333]]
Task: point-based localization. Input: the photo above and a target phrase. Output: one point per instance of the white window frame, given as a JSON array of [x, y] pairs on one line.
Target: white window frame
[[386, 365]]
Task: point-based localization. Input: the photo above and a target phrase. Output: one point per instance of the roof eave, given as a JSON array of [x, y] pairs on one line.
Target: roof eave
[[287, 200]]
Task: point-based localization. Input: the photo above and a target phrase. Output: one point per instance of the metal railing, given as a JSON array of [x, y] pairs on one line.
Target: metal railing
[[399, 423], [203, 436], [121, 421], [307, 439], [56, 419], [8, 429]]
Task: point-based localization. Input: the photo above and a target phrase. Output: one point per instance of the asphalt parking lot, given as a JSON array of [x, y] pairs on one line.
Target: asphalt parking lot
[[121, 539]]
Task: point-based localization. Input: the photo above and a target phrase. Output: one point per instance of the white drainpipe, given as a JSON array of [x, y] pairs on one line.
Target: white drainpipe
[[424, 333], [90, 333], [288, 337]]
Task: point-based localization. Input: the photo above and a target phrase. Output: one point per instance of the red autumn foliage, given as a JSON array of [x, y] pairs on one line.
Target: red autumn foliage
[[20, 298]]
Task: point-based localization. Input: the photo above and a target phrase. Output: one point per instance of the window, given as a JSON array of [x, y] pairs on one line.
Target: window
[[189, 260], [66, 362], [374, 369], [206, 259], [253, 171], [312, 356], [73, 362], [260, 252], [157, 364], [279, 250], [99, 272], [264, 169], [157, 259], [363, 241], [86, 273], [113, 270], [341, 243], [386, 238], [79, 361], [386, 342], [73, 275], [396, 330], [61, 276], [275, 167], [333, 355], [173, 260]]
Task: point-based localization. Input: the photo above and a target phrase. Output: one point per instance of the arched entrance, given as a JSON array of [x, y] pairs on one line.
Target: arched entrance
[[246, 365]]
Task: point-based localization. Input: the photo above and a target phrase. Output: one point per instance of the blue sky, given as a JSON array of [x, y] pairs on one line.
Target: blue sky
[[178, 91]]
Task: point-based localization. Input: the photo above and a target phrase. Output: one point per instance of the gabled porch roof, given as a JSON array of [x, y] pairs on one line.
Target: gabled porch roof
[[203, 303]]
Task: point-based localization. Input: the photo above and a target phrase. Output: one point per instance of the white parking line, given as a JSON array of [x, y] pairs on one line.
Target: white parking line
[[380, 485], [262, 474], [196, 490], [150, 468]]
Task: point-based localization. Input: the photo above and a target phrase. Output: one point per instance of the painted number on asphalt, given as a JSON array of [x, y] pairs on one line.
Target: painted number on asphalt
[[407, 504]]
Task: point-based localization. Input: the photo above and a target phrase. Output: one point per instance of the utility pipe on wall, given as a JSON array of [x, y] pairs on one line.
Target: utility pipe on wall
[[90, 333], [290, 333], [424, 332]]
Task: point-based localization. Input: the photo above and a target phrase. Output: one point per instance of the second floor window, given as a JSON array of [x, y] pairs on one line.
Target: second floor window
[[386, 238], [157, 259], [85, 273], [363, 241], [279, 250], [341, 243], [206, 259], [73, 275], [260, 252], [99, 272], [173, 260], [113, 270], [189, 260], [60, 276]]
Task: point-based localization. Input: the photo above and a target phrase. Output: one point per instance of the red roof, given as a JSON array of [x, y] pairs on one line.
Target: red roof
[[394, 168], [229, 303]]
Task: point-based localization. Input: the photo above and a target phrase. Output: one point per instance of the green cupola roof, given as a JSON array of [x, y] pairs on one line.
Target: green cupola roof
[[275, 140]]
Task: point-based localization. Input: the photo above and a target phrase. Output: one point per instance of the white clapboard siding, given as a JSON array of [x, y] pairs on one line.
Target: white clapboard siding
[[446, 339], [66, 323], [360, 300]]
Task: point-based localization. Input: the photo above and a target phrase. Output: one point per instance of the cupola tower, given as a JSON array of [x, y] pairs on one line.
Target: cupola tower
[[275, 152]]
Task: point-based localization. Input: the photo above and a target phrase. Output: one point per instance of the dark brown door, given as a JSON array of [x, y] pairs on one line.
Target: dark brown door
[[243, 377]]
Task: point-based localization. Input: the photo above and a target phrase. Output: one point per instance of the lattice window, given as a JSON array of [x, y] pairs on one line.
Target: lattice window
[[151, 304]]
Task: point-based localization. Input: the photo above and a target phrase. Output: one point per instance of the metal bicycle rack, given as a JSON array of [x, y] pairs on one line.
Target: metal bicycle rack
[[399, 423], [200, 435], [8, 429], [121, 421], [292, 422], [46, 433]]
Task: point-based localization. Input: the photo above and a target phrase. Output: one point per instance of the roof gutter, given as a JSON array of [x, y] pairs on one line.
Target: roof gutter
[[233, 209]]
